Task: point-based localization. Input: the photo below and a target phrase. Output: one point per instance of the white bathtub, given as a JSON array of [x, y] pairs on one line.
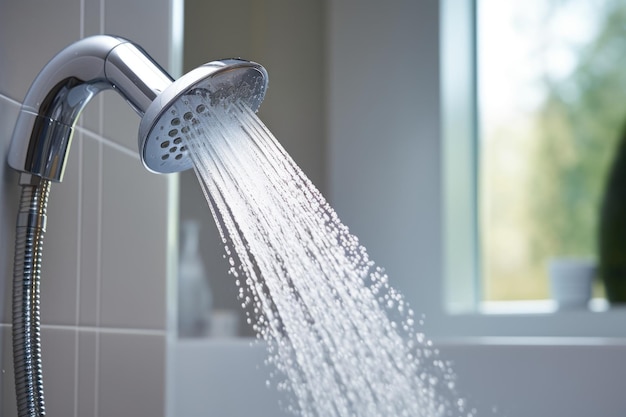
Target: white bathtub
[[544, 377]]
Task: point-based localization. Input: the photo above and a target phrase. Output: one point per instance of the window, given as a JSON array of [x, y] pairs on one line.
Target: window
[[551, 107], [531, 129]]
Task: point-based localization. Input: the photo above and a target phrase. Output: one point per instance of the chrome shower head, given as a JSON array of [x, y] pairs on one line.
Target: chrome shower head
[[45, 125], [173, 112]]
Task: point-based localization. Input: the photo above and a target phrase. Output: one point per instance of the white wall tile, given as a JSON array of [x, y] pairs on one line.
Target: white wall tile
[[91, 116], [129, 382], [134, 259], [146, 23], [92, 25], [134, 209], [87, 364], [90, 232], [8, 407], [58, 357], [121, 123], [9, 198], [147, 26], [59, 272], [92, 17], [59, 363], [32, 32]]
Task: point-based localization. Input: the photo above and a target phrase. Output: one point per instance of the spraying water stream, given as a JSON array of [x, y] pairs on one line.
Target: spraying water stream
[[340, 339]]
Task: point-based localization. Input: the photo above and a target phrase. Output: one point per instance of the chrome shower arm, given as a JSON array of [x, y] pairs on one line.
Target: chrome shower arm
[[42, 138], [45, 124]]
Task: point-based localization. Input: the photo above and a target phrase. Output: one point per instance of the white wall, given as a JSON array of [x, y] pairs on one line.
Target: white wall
[[384, 138], [105, 257]]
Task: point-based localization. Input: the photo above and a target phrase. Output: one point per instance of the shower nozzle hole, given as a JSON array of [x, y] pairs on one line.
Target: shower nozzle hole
[[164, 157], [179, 156], [176, 121], [165, 144], [173, 132], [177, 141], [173, 149]]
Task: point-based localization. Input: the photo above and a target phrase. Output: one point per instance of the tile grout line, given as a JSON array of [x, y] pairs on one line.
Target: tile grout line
[[105, 330], [11, 100], [96, 395], [79, 241], [109, 142], [98, 276], [96, 329], [78, 270]]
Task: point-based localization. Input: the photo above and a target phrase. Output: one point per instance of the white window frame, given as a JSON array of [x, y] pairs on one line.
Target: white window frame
[[463, 314]]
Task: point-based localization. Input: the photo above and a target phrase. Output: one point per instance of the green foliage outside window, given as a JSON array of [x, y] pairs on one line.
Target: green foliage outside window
[[575, 133]]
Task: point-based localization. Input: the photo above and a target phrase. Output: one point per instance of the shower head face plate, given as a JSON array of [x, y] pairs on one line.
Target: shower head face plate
[[173, 113]]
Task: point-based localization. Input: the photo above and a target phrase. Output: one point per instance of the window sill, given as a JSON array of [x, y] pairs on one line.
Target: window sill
[[596, 305], [532, 318]]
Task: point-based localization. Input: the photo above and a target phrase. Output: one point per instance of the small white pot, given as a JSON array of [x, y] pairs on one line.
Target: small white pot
[[570, 281]]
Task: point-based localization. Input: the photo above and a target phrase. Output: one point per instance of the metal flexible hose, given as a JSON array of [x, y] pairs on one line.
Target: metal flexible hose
[[31, 225]]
